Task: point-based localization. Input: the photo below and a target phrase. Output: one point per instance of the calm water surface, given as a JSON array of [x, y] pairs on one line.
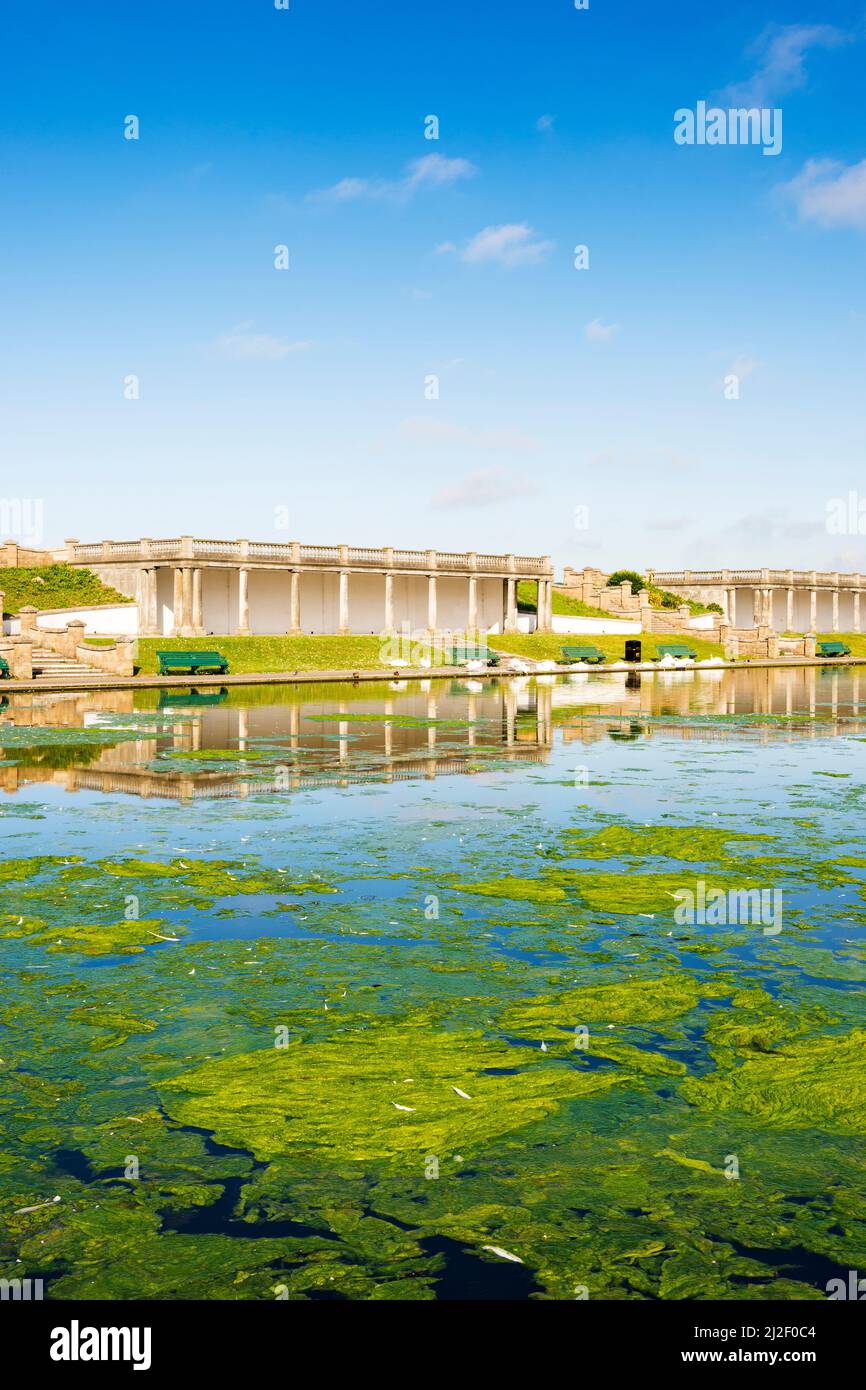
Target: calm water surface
[[388, 991]]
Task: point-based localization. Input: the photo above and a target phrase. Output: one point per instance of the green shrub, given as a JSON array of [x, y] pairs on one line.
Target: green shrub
[[636, 580]]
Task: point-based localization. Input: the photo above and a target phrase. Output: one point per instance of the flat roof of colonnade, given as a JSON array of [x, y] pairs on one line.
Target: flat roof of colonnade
[[267, 554]]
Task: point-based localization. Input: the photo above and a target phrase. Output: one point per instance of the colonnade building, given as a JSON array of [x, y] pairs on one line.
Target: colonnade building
[[191, 588]]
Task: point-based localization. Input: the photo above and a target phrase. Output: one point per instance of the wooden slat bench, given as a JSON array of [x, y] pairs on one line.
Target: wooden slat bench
[[5, 673], [832, 649], [587, 653], [675, 649], [191, 661]]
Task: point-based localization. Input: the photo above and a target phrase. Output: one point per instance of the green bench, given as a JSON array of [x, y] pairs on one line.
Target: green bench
[[192, 662], [832, 649], [458, 656], [5, 673], [588, 653], [675, 649]]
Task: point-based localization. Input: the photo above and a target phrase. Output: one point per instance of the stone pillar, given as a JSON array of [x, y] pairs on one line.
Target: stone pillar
[[295, 603], [789, 617], [472, 618], [856, 610], [768, 608], [835, 610], [197, 605], [186, 624], [732, 607], [511, 606], [431, 602], [243, 602], [178, 601], [344, 602], [389, 604], [813, 609]]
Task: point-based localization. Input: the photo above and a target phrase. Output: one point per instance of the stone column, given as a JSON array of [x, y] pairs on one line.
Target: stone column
[[768, 608], [789, 619], [197, 607], [431, 602], [835, 610], [186, 629], [243, 602], [472, 618], [344, 602], [856, 610], [732, 607], [178, 602], [295, 603], [389, 604], [149, 619], [813, 609], [511, 606]]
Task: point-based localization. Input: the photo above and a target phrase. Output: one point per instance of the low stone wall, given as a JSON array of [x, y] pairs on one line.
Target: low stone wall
[[115, 659], [18, 652], [763, 642]]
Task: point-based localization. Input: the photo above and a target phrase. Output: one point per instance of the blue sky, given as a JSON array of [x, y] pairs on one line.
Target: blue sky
[[266, 392]]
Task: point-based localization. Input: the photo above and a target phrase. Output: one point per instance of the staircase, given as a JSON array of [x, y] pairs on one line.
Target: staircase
[[47, 665]]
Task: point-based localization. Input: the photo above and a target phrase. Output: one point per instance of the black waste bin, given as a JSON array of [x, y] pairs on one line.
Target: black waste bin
[[632, 650]]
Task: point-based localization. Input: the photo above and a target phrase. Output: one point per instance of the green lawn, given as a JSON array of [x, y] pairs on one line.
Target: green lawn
[[545, 646], [54, 586], [252, 654]]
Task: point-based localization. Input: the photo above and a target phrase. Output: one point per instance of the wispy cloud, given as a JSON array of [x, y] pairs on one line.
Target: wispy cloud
[[430, 171], [544, 123], [781, 52], [598, 332], [425, 431], [829, 193], [512, 244], [243, 345], [485, 488]]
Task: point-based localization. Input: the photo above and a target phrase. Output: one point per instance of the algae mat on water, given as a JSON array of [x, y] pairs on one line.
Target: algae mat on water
[[389, 1093]]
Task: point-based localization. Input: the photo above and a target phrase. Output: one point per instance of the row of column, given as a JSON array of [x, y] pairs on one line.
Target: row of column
[[764, 607], [188, 617]]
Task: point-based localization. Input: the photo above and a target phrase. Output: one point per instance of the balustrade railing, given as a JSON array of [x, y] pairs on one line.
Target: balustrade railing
[[288, 552]]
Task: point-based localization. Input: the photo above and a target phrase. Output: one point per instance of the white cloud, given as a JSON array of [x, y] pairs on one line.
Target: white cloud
[[781, 52], [512, 244], [430, 171], [485, 488], [829, 193], [241, 344], [422, 430], [598, 332], [544, 123]]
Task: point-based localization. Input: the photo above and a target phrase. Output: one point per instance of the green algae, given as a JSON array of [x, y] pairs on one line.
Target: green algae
[[389, 1094], [812, 1083], [690, 844]]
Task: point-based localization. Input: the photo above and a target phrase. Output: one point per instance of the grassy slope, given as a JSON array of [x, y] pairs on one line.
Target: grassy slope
[[855, 640], [250, 654], [563, 604], [547, 645], [54, 586]]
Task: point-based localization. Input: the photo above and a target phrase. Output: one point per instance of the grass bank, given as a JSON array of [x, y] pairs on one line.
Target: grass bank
[[54, 586], [546, 646], [248, 655]]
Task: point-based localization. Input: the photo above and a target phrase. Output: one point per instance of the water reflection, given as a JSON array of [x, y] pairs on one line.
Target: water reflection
[[219, 742]]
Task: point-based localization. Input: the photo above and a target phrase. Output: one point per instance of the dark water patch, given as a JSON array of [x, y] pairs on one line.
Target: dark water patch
[[465, 1276]]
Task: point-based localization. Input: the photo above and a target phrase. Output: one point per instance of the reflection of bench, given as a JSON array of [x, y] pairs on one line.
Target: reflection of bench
[[674, 649], [169, 699], [191, 661], [589, 653], [5, 673], [458, 656], [832, 649]]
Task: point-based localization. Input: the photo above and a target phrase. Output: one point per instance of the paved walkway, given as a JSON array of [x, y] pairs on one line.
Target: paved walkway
[[104, 682]]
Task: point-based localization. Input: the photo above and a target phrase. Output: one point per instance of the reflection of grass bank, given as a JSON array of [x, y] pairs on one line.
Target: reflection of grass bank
[[546, 646]]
